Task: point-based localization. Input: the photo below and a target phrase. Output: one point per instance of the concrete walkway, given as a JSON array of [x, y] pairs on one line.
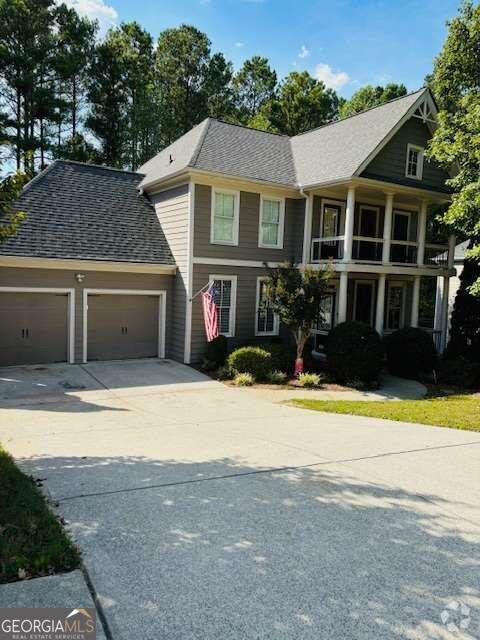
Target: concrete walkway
[[211, 512], [392, 388]]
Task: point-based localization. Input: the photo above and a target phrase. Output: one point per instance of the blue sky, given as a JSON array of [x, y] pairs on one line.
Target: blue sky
[[347, 43]]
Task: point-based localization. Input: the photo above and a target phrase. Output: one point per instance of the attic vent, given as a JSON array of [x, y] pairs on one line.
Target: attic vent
[[171, 159]]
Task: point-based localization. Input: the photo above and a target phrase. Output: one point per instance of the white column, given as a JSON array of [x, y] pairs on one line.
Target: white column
[[415, 301], [342, 297], [307, 231], [380, 310], [349, 218], [387, 227], [422, 229]]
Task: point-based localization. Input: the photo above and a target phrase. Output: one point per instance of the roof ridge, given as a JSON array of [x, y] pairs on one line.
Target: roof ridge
[[354, 115], [200, 141], [39, 176], [96, 166], [244, 126]]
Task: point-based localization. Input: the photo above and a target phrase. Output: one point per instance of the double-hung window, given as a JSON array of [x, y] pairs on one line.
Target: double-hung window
[[272, 215], [414, 164], [225, 217], [266, 322], [225, 296]]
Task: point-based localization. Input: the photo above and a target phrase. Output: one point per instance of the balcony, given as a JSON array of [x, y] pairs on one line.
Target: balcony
[[330, 248], [365, 249], [436, 255], [403, 252]]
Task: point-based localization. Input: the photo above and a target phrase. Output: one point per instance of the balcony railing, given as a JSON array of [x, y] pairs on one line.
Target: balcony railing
[[436, 255], [403, 252], [367, 249], [327, 248]]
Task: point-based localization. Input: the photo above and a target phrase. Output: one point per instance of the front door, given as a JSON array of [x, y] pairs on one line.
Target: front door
[[363, 301]]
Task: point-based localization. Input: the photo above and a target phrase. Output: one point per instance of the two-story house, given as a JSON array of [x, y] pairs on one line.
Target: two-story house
[[108, 263]]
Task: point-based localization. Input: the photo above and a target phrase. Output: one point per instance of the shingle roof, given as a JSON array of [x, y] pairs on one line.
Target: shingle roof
[[332, 152], [79, 211]]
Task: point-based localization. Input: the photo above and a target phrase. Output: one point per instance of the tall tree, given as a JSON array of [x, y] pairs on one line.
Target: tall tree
[[369, 96], [188, 79], [456, 142], [254, 85], [302, 103], [10, 217], [27, 80], [75, 38]]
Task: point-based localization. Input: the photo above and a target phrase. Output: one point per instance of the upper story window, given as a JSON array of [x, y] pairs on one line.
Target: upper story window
[[225, 217], [270, 228], [414, 165]]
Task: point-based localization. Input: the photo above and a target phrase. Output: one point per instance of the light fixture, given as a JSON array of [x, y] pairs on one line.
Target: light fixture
[[79, 277]]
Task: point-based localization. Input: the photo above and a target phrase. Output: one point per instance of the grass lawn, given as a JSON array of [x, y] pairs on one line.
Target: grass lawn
[[457, 412], [32, 540]]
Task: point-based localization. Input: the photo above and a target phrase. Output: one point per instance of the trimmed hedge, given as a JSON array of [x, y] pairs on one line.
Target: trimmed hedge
[[354, 353], [253, 360], [410, 353], [282, 356], [217, 351]]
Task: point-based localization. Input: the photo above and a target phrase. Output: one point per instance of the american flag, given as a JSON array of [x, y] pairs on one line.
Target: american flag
[[210, 313]]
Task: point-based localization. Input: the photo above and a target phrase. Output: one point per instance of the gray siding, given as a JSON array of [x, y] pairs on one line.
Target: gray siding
[[390, 161], [247, 248], [245, 307], [171, 207], [11, 277]]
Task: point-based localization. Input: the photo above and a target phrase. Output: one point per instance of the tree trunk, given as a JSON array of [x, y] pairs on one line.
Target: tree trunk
[[300, 340]]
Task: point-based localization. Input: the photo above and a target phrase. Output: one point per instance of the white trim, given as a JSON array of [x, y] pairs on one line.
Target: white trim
[[335, 203], [187, 346], [421, 154], [402, 285], [371, 283], [281, 222], [70, 315], [127, 292], [236, 216], [27, 262], [307, 230], [233, 300], [234, 263], [276, 319]]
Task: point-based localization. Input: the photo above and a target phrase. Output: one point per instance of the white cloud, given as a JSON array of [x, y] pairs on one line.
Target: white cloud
[[239, 44], [332, 79], [95, 10], [304, 52]]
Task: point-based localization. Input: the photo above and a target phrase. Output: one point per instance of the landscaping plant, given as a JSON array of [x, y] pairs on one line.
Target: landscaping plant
[[277, 377], [243, 380], [309, 380], [410, 353], [354, 353], [217, 350], [252, 360]]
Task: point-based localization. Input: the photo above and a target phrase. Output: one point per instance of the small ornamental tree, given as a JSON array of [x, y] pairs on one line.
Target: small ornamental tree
[[295, 295]]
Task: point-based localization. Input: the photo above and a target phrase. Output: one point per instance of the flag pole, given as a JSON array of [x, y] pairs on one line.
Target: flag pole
[[202, 289]]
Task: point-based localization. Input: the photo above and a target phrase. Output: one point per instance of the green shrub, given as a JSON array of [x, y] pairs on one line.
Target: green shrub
[[459, 372], [225, 373], [410, 353], [282, 356], [309, 380], [208, 365], [243, 380], [277, 377], [354, 352], [217, 351], [251, 360]]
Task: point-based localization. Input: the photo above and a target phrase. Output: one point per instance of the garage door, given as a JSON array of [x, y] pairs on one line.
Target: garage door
[[122, 326], [33, 328]]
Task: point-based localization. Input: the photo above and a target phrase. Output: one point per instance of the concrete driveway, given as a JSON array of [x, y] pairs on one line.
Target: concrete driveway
[[206, 512]]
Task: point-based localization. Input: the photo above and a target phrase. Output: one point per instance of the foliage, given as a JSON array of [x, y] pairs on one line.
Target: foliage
[[253, 86], [10, 217], [460, 372], [277, 377], [465, 321], [456, 141], [309, 380], [208, 365], [281, 355], [457, 412], [33, 542], [251, 360], [354, 352], [295, 296], [410, 352], [217, 350], [243, 380], [302, 103], [369, 96], [225, 373]]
